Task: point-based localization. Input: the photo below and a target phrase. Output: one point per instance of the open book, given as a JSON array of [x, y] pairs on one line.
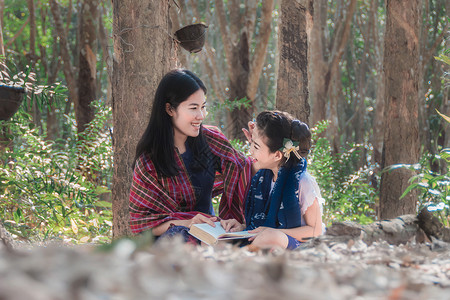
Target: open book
[[211, 235]]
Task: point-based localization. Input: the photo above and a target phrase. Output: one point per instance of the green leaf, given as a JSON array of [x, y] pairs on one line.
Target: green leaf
[[443, 58], [17, 215], [446, 118], [408, 189]]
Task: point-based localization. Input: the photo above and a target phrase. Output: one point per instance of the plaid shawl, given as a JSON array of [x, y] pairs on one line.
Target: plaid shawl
[[155, 199]]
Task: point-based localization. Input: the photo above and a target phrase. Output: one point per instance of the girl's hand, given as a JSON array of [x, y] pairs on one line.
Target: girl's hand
[[269, 238], [199, 219], [258, 231], [248, 133], [232, 225]]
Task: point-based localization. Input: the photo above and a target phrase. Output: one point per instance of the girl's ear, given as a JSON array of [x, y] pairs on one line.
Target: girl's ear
[[169, 109], [278, 155]]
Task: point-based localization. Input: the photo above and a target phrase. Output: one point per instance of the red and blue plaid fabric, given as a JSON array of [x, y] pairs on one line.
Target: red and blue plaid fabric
[[155, 199]]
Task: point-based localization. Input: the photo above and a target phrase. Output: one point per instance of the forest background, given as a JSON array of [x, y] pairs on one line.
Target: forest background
[[90, 68]]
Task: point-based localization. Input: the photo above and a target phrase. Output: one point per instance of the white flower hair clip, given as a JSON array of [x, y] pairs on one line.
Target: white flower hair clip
[[288, 147]]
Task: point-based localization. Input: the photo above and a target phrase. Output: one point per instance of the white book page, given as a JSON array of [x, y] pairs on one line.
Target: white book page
[[214, 231], [218, 230]]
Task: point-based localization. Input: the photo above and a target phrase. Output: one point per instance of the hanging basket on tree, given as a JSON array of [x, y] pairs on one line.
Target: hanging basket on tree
[[10, 100], [192, 37]]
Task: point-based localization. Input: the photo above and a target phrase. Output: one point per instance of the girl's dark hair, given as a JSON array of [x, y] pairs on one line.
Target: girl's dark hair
[[158, 139], [276, 126]]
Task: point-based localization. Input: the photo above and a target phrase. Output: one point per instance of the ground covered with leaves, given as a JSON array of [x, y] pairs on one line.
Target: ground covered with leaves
[[325, 268]]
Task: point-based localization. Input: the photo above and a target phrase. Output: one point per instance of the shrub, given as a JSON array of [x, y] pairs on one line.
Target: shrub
[[348, 194], [50, 189]]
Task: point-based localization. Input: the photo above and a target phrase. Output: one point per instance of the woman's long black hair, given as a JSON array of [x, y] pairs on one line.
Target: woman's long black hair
[[158, 138]]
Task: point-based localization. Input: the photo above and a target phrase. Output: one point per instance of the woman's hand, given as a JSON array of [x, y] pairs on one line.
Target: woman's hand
[[199, 219], [232, 225], [248, 133]]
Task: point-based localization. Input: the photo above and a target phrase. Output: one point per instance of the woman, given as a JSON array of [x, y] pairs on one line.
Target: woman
[[181, 164]]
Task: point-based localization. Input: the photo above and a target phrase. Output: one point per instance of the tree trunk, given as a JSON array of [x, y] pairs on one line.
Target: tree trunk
[[401, 138], [142, 55], [243, 69], [182, 55], [334, 97], [107, 57], [430, 39], [238, 117], [32, 53], [378, 121], [87, 76], [2, 46], [65, 53], [363, 77], [325, 64], [318, 66], [436, 139], [292, 84], [445, 108]]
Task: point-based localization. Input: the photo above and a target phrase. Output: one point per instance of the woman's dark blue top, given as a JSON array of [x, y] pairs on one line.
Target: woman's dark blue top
[[202, 175]]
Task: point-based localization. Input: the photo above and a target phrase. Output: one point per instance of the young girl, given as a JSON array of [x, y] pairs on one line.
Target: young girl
[[181, 164], [284, 204]]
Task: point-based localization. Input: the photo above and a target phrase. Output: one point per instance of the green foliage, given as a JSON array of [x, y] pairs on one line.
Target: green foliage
[[348, 194], [227, 105], [50, 189], [241, 146], [434, 189]]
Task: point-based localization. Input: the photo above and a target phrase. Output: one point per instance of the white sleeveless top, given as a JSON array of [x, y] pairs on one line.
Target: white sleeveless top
[[308, 192]]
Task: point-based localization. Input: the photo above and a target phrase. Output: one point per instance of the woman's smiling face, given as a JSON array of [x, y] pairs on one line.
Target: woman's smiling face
[[188, 116]]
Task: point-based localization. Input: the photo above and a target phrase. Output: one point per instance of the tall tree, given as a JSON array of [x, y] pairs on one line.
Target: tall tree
[[292, 85], [32, 53], [326, 54], [378, 119], [142, 55], [243, 69], [433, 30], [2, 46], [401, 136], [68, 69], [445, 106], [87, 75]]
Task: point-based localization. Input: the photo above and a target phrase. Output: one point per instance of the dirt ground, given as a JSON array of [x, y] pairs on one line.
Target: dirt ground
[[324, 268]]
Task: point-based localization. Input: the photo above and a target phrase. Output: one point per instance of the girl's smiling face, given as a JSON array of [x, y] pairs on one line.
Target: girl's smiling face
[[259, 151]]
